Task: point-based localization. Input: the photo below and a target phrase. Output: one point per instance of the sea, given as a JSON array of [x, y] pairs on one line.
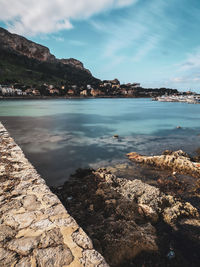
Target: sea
[[59, 136]]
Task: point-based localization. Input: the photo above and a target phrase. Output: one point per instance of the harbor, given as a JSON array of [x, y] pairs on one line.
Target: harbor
[[190, 99]]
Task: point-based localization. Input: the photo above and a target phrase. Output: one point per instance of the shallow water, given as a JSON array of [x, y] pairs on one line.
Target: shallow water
[[59, 136]]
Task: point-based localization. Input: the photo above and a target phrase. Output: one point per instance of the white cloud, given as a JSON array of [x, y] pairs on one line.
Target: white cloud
[[186, 79], [177, 79], [46, 16]]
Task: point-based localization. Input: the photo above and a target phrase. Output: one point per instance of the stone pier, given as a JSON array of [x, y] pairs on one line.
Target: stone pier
[[35, 228]]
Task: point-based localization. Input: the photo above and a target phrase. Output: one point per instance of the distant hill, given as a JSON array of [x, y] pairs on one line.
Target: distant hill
[[24, 61]]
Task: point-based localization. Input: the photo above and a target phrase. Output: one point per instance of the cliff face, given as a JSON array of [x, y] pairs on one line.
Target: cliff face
[[24, 47], [74, 62], [22, 60]]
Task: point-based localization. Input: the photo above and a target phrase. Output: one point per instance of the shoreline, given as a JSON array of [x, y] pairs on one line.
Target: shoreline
[[63, 97]]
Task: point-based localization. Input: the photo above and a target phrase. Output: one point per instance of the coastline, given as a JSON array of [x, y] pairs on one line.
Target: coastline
[[64, 97]]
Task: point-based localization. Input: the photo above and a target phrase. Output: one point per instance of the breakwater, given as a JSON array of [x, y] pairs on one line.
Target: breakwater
[[35, 228]]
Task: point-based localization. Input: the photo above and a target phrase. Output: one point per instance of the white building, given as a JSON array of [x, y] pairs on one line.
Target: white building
[[89, 87], [18, 92], [7, 91]]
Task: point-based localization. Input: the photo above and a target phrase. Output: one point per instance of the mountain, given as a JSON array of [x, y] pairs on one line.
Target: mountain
[[24, 61]]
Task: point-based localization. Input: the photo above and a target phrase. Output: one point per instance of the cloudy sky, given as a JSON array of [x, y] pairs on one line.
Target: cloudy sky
[[154, 42]]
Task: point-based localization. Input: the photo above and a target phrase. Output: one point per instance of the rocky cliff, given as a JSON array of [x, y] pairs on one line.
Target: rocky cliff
[[22, 60], [74, 62], [24, 46]]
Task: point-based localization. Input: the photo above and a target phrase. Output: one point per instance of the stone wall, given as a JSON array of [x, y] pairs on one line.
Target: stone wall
[[35, 228]]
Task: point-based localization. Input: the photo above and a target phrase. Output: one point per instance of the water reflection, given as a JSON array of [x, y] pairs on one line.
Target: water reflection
[[59, 143]]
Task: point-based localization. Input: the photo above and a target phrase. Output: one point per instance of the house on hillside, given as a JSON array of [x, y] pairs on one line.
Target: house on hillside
[[18, 92], [74, 87], [54, 91], [36, 92], [135, 85], [29, 91], [70, 92], [7, 91], [96, 92], [124, 91], [89, 87], [84, 93]]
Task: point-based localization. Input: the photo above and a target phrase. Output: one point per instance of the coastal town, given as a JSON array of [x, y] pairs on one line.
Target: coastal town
[[106, 88]]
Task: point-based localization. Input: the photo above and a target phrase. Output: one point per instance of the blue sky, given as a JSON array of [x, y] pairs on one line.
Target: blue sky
[[154, 42]]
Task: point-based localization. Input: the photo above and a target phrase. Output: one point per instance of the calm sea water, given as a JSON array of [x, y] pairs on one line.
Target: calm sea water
[[59, 136]]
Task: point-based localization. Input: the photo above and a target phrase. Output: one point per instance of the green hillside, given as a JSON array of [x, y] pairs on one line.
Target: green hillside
[[29, 71]]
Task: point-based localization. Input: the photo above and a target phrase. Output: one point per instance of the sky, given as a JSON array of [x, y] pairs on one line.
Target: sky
[[153, 42]]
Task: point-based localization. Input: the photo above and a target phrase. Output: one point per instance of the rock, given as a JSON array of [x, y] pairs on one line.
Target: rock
[[23, 220], [42, 224], [30, 202], [177, 161], [81, 239], [126, 239], [7, 258], [53, 256], [92, 258], [6, 233], [69, 222], [148, 212], [25, 262], [177, 211], [50, 199], [52, 237], [24, 245], [122, 222]]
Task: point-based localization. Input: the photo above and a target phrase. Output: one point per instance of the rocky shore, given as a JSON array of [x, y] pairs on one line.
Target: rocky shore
[[129, 222], [132, 223], [35, 228], [177, 161], [182, 173]]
